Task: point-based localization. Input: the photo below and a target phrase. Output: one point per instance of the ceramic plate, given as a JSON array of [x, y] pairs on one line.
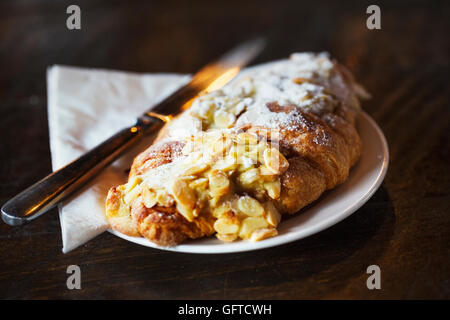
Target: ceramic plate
[[364, 179]]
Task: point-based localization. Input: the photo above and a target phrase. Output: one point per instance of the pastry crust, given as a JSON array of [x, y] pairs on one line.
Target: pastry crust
[[313, 131]]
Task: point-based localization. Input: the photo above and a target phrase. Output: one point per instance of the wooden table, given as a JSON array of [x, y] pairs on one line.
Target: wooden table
[[404, 228]]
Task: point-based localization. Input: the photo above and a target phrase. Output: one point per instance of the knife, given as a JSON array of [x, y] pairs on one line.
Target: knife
[[46, 193]]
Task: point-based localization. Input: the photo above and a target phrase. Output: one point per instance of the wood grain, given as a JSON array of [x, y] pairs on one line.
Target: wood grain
[[404, 228]]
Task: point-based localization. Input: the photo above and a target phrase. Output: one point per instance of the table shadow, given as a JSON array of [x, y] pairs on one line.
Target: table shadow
[[315, 265]]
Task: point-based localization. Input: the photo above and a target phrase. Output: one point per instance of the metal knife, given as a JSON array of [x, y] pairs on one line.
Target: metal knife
[[46, 193]]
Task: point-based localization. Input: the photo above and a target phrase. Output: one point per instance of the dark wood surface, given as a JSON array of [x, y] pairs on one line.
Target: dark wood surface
[[403, 228]]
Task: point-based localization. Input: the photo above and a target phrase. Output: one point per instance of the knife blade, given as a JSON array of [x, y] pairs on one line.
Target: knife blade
[[49, 191]]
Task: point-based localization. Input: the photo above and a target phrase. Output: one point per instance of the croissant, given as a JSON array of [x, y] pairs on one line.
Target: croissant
[[266, 145]]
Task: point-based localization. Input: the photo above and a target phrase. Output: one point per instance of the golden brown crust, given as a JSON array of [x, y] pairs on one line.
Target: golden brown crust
[[302, 183], [164, 225], [347, 131], [155, 156]]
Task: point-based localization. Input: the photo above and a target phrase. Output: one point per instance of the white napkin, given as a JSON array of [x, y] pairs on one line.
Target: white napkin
[[85, 107]]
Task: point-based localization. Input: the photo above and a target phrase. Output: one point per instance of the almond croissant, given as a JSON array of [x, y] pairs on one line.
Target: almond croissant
[[267, 144]]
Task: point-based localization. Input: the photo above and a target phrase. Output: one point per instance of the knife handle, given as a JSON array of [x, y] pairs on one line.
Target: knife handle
[[46, 193]]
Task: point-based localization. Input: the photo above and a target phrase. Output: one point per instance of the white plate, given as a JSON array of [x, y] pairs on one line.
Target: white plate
[[334, 206]]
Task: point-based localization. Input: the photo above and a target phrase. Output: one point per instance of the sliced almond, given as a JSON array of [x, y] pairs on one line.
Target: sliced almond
[[185, 212], [275, 161], [194, 157], [149, 197], [186, 178], [249, 176], [223, 119], [165, 199], [250, 207], [226, 225], [219, 184], [251, 224], [273, 217], [196, 169], [183, 194], [201, 183], [221, 146], [247, 138], [132, 194], [132, 183], [227, 164], [267, 174], [273, 188], [221, 210], [226, 237]]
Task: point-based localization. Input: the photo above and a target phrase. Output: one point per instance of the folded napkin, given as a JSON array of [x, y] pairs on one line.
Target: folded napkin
[[85, 107]]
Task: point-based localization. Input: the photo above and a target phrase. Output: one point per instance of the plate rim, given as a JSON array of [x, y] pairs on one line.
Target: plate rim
[[185, 248]]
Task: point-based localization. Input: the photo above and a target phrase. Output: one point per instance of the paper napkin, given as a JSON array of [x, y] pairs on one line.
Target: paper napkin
[[85, 107]]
